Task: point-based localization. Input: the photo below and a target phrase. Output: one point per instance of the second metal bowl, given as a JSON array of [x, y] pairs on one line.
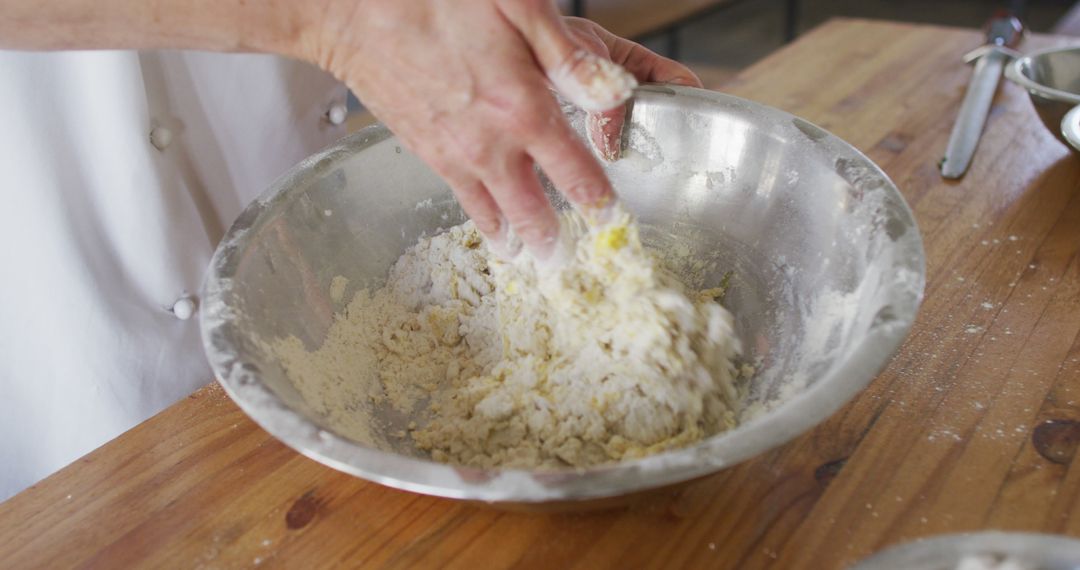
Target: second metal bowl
[[1052, 79], [946, 552]]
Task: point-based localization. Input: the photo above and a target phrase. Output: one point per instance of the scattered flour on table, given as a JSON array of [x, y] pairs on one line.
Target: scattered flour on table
[[502, 363]]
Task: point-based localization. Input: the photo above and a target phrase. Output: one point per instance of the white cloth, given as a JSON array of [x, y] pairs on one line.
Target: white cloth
[[101, 232]]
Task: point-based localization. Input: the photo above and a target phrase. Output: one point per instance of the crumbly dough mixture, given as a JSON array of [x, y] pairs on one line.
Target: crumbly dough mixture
[[514, 364]]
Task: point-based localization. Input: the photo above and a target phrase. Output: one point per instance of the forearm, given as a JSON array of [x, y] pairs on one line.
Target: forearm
[[213, 25]]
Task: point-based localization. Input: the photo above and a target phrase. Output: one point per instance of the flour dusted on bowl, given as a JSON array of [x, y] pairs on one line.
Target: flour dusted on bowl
[[505, 363], [991, 562]]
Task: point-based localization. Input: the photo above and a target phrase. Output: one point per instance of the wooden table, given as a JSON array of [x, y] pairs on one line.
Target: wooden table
[[974, 425]]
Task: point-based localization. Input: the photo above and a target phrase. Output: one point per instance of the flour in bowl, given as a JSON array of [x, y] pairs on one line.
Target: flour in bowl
[[509, 364]]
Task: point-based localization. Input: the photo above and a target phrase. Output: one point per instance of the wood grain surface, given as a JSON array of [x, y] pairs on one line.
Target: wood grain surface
[[974, 425]]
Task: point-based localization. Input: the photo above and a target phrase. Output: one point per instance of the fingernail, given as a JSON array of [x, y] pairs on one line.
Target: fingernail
[[503, 243], [506, 248], [542, 249], [609, 145], [549, 246], [685, 81], [592, 82], [601, 212], [554, 255], [596, 196]]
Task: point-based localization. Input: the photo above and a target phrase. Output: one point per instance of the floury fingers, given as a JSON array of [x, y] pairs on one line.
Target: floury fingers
[[593, 83]]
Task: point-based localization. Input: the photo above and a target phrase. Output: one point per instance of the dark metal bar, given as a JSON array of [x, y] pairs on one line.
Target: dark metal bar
[[577, 8], [791, 20], [1018, 7], [700, 13], [671, 38]]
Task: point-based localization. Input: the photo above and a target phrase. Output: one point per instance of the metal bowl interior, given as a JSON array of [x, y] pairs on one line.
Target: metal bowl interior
[[828, 275], [1052, 79], [1030, 550]]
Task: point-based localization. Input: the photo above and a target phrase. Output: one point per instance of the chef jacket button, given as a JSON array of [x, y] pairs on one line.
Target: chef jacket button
[[160, 137], [336, 114], [184, 307]]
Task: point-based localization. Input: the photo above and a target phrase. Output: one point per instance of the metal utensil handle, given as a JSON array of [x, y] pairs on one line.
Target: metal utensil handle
[[972, 117], [1004, 30]]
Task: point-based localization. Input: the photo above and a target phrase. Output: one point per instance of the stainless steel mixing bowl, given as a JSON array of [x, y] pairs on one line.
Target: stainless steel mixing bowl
[[1052, 79], [827, 260], [945, 552]]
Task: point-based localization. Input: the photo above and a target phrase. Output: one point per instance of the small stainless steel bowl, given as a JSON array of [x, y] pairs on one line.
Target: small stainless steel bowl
[[1052, 79], [828, 275], [1030, 550]]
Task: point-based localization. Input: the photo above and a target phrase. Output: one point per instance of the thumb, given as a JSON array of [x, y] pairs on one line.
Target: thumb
[[604, 128], [584, 78]]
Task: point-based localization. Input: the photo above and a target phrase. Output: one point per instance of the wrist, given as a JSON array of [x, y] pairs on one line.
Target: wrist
[[273, 26], [308, 31]]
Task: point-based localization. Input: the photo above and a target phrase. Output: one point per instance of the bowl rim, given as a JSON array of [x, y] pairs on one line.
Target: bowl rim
[[831, 390], [1015, 73], [946, 549]]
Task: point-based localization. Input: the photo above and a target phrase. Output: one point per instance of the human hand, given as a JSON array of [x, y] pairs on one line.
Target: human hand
[[464, 85], [605, 128]]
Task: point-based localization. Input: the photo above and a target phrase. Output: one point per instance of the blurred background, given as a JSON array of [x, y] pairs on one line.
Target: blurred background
[[719, 38]]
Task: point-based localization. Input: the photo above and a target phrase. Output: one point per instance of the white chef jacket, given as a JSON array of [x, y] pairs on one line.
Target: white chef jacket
[[119, 173]]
